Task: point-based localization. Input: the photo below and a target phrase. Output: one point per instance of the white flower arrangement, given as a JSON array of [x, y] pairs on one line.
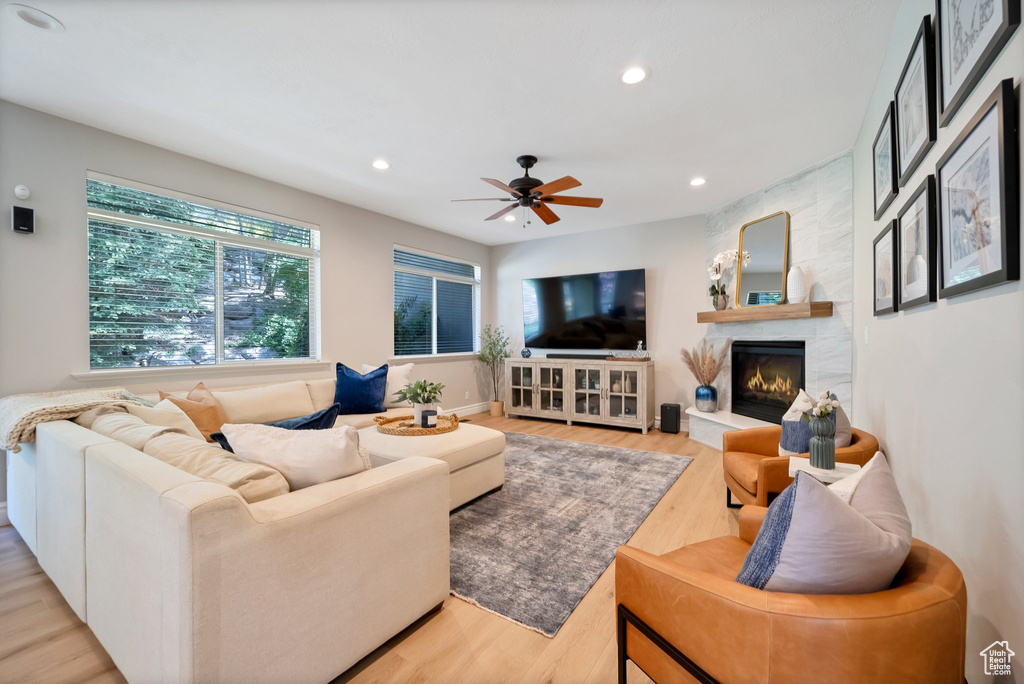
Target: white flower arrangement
[[718, 266], [825, 407]]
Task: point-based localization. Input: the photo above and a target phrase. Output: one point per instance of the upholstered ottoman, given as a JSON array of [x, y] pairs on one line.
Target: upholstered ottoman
[[475, 456]]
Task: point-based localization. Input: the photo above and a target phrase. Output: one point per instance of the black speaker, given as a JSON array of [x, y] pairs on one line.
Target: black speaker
[[670, 418], [22, 220]]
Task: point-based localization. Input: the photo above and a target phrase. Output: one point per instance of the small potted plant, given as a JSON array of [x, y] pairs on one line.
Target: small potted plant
[[717, 269], [823, 443], [495, 347], [422, 395], [705, 366]]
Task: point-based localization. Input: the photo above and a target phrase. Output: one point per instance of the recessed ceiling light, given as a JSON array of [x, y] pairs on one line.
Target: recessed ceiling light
[[697, 181], [37, 18], [633, 75], [381, 164], [510, 217]]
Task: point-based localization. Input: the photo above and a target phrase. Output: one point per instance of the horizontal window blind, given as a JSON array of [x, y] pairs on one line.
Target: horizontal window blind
[[159, 296], [437, 304]]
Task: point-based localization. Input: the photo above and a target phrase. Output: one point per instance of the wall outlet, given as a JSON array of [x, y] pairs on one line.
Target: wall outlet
[[467, 395]]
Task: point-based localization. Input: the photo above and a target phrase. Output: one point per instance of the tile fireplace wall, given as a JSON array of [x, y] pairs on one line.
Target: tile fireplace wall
[[820, 203]]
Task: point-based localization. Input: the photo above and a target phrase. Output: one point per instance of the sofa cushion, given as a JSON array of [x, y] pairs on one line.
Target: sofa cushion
[[358, 393], [267, 403], [321, 392], [202, 408], [743, 467], [253, 481], [361, 420], [465, 446], [168, 414], [125, 428], [304, 457], [319, 420], [796, 432], [398, 377], [812, 542]]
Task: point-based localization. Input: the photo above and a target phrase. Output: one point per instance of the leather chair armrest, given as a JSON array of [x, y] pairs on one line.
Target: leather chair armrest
[[761, 441], [751, 518], [704, 616], [772, 478]]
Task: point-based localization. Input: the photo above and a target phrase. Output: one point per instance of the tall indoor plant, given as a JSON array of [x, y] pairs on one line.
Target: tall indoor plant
[[422, 394], [705, 366], [495, 347]]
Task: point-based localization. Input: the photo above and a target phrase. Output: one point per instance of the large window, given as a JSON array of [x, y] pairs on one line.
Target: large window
[[174, 281], [437, 304]]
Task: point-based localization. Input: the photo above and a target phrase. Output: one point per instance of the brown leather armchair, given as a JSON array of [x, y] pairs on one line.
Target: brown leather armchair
[[682, 617], [754, 471]]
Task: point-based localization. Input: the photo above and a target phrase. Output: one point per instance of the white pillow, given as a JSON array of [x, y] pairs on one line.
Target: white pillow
[[167, 414], [845, 488], [398, 377], [304, 457]]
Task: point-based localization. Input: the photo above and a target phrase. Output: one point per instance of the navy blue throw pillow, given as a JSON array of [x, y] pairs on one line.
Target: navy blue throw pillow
[[358, 393], [320, 420]]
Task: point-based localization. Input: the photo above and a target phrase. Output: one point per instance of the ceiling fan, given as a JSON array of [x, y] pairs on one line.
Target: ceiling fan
[[535, 193]]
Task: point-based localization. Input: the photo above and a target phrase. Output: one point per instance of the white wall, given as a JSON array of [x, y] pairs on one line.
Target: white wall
[[942, 386], [44, 313], [671, 251], [820, 204]]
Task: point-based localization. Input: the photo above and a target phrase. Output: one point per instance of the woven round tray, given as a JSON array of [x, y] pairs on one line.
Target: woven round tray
[[393, 426]]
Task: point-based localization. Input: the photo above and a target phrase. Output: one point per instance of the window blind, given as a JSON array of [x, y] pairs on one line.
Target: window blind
[[230, 287], [437, 304]]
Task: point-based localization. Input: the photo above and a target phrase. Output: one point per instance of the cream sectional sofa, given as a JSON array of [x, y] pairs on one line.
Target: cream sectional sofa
[[182, 579]]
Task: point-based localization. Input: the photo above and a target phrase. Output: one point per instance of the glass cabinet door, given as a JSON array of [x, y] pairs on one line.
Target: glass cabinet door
[[551, 389], [522, 387], [623, 394], [587, 391]]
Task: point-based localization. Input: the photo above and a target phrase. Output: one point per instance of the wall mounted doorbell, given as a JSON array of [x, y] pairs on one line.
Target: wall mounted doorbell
[[23, 220]]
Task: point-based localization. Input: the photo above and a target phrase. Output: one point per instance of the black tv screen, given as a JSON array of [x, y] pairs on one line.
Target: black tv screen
[[588, 311]]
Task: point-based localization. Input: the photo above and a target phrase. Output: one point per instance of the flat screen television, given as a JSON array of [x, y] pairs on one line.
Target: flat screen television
[[586, 311]]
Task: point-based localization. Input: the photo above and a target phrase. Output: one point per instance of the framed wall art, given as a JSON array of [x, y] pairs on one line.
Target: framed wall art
[[979, 200], [883, 155], [915, 103], [885, 270], [916, 228], [969, 34]]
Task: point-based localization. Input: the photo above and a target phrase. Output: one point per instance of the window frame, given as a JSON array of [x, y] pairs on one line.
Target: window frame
[[475, 282], [220, 240]]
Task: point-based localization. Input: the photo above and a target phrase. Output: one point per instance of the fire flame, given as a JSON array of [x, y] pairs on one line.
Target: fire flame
[[776, 386]]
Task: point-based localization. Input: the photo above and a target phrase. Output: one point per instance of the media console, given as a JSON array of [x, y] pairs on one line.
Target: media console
[[583, 390]]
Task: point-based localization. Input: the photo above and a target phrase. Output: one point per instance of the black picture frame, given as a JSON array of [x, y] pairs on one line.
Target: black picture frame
[[882, 202], [1003, 103], [926, 193], [923, 42], [893, 270], [1011, 10]]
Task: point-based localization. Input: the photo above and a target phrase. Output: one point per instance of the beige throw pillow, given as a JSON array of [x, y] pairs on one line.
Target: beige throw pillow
[[304, 457], [168, 414], [253, 481]]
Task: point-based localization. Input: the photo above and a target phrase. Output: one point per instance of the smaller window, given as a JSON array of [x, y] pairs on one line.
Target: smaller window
[[760, 298], [437, 304]]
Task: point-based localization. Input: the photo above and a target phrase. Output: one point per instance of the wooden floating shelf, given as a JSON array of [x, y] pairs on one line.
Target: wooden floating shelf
[[770, 312]]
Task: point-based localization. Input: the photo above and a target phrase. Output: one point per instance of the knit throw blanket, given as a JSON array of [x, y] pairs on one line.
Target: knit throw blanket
[[21, 413]]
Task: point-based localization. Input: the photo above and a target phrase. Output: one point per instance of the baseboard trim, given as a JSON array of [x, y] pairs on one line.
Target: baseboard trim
[[4, 520], [471, 408]]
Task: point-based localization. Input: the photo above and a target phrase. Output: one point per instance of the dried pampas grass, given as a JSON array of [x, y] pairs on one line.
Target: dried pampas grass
[[703, 362]]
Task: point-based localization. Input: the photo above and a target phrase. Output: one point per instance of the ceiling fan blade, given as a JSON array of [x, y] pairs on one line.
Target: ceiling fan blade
[[575, 201], [485, 199], [501, 213], [546, 215], [501, 186], [563, 183]]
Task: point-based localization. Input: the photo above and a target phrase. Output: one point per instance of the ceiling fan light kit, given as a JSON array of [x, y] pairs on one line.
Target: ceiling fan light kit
[[534, 194]]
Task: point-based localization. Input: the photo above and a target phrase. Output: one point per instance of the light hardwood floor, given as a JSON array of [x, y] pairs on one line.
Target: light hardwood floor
[[41, 640]]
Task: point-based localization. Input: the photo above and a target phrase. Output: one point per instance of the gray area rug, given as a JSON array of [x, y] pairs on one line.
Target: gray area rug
[[532, 551]]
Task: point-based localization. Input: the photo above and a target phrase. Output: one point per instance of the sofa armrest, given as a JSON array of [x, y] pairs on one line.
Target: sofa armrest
[[772, 477], [761, 441], [751, 518], [704, 616]]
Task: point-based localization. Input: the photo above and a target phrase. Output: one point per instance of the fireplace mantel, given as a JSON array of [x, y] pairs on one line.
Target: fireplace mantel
[[767, 313]]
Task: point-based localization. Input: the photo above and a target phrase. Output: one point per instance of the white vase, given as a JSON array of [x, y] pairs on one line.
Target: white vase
[[417, 413], [796, 286]]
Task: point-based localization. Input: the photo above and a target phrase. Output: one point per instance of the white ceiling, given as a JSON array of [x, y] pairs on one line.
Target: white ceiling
[[309, 93]]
